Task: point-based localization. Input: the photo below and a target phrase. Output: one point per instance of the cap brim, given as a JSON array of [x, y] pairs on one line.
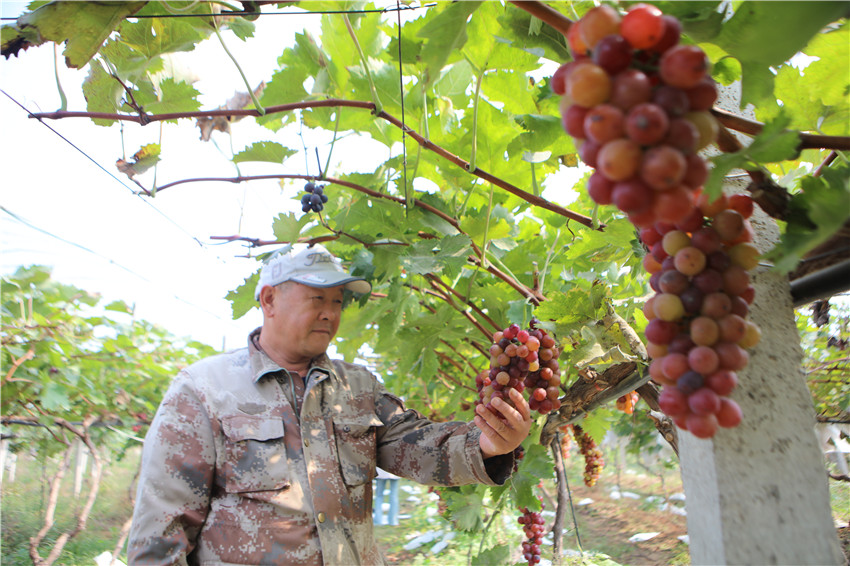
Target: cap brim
[[335, 279]]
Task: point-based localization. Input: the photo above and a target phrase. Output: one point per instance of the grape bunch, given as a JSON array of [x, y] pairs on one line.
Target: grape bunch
[[592, 455], [638, 104], [314, 199], [522, 359], [698, 331], [626, 403], [533, 525]]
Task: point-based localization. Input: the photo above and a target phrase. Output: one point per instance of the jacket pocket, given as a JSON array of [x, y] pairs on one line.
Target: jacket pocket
[[255, 454], [357, 447]]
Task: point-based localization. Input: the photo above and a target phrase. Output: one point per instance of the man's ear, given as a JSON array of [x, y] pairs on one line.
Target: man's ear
[[267, 297]]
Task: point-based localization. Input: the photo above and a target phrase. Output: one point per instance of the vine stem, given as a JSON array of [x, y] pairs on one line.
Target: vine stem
[[334, 102], [365, 63], [546, 13], [564, 496], [254, 99]]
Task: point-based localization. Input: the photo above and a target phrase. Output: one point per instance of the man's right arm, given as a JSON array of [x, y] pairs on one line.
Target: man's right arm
[[178, 466]]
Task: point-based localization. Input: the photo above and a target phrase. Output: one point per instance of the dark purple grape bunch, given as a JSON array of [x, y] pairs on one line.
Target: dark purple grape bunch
[[314, 199]]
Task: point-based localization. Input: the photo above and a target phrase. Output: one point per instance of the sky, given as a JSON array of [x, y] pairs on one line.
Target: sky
[[72, 210], [64, 204]]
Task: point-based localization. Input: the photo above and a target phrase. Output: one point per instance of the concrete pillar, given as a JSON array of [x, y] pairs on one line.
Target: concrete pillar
[[758, 493]]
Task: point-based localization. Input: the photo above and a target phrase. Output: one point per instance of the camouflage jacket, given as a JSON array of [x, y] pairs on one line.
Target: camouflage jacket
[[230, 474]]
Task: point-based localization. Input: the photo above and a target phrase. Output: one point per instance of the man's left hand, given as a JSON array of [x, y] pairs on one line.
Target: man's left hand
[[501, 434]]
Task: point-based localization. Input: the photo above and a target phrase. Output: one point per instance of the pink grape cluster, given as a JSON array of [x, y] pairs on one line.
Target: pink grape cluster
[[522, 359], [698, 331], [593, 461], [638, 104], [533, 525]]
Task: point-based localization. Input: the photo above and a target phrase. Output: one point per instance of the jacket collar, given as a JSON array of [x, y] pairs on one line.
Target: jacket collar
[[262, 365]]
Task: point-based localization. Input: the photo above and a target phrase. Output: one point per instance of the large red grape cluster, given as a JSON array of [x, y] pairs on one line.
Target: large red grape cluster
[[522, 359], [533, 525], [638, 103]]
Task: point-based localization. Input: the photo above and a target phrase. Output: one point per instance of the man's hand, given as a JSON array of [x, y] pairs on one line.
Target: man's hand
[[500, 435]]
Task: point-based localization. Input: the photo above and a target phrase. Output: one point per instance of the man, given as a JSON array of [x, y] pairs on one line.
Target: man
[[266, 455]]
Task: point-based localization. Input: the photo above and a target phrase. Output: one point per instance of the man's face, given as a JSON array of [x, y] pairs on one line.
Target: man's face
[[305, 319]]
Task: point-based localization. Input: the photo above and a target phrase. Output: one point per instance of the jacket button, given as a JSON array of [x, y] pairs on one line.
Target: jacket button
[[320, 517], [307, 442], [346, 428]]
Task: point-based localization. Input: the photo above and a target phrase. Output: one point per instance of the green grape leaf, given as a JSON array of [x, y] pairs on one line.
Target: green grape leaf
[[465, 508], [102, 92], [54, 396], [174, 97], [445, 34], [816, 214], [242, 298], [774, 143], [119, 306], [287, 228], [499, 554], [535, 466], [82, 26], [269, 151]]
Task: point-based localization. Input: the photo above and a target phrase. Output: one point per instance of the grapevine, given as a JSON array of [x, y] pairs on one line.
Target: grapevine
[[522, 359], [638, 104]]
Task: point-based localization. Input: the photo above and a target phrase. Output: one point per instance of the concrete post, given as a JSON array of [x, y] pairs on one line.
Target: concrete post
[[758, 493]]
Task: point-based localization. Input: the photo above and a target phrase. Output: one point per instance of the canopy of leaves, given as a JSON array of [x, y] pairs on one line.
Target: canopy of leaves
[[67, 355]]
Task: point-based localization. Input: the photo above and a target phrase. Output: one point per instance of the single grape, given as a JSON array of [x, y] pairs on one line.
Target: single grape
[[707, 127], [701, 426], [647, 124], [673, 100], [619, 159], [704, 401], [702, 95], [589, 85], [696, 170], [674, 205], [729, 415], [682, 135], [683, 66], [630, 88], [722, 382], [613, 53], [631, 195], [670, 36], [663, 168], [703, 360], [642, 26], [573, 121], [604, 123], [597, 23], [705, 331]]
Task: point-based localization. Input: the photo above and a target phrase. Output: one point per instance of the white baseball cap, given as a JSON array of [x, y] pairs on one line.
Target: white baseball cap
[[313, 266]]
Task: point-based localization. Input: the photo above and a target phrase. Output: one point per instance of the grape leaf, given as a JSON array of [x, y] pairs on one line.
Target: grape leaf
[[465, 508], [82, 26], [54, 396], [242, 298], [287, 228], [815, 215], [144, 159], [445, 34], [270, 151], [102, 93], [174, 97], [497, 555], [535, 466]]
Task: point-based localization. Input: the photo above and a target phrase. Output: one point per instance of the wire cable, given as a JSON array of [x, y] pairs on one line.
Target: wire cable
[[32, 226]]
